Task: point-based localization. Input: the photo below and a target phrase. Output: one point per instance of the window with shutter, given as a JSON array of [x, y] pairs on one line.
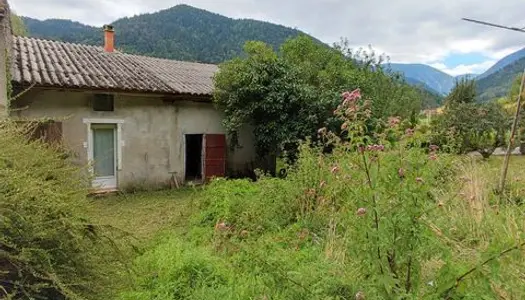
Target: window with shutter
[[103, 102]]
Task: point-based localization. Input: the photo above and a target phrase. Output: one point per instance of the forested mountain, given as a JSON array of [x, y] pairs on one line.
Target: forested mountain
[[187, 33], [64, 30], [181, 32], [498, 84], [507, 60], [467, 76], [432, 78]]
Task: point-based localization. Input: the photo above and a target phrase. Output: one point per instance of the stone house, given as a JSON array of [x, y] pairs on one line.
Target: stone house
[[132, 119]]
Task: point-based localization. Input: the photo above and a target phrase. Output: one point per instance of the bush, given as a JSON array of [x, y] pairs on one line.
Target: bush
[[175, 271], [47, 249], [466, 127]]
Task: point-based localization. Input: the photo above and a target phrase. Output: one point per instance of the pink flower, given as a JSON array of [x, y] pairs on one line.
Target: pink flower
[[361, 211], [393, 121], [433, 156], [434, 147], [344, 126], [356, 94], [409, 132], [335, 169], [401, 172]]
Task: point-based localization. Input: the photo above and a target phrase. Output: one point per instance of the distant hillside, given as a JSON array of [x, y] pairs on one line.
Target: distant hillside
[[498, 83], [434, 79], [467, 76], [507, 60], [181, 32], [63, 30]]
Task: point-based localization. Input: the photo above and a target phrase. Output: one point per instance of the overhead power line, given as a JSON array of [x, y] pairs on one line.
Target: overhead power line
[[495, 25], [518, 108]]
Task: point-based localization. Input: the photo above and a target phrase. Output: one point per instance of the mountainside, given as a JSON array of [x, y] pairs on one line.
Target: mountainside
[[434, 79], [466, 76], [498, 84], [181, 32], [507, 60]]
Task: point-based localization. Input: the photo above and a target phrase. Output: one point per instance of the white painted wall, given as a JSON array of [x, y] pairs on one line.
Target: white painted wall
[[152, 131]]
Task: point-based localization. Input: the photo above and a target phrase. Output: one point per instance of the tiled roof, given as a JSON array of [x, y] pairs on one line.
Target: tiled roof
[[65, 65]]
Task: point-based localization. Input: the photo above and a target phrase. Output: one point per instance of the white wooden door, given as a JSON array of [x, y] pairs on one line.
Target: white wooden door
[[104, 153]]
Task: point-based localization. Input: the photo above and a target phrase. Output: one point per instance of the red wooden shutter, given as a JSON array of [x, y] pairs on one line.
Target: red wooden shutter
[[215, 155]]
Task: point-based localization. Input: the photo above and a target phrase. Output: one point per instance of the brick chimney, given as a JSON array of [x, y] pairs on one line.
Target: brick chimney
[[109, 38]]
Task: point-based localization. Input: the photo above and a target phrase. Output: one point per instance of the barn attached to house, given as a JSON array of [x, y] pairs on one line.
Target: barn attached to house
[[135, 120]]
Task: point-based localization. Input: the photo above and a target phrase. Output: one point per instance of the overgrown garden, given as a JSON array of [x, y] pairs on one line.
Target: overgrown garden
[[375, 204]]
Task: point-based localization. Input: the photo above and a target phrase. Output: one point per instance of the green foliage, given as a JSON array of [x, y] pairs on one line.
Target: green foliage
[[375, 218], [286, 96], [356, 221], [18, 26], [463, 92], [47, 249], [175, 271], [182, 32], [499, 83], [466, 127]]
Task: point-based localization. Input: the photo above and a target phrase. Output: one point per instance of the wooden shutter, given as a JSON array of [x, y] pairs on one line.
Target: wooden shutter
[[214, 155]]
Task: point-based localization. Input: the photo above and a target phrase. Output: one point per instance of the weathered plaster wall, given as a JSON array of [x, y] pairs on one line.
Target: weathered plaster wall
[[152, 132]]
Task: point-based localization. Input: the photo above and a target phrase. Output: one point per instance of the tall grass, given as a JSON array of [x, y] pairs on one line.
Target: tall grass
[[383, 216], [48, 249]]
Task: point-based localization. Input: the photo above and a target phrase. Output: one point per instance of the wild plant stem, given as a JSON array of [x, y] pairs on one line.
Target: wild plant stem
[[464, 275], [374, 203]]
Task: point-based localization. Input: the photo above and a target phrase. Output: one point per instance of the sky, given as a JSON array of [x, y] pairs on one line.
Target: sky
[[407, 31]]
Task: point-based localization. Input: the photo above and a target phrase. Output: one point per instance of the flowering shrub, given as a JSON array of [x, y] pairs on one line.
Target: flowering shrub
[[386, 177]]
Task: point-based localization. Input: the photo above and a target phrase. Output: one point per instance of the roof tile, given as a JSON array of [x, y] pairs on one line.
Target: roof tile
[[66, 65]]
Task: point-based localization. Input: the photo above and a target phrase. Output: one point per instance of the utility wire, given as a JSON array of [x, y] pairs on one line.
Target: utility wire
[[515, 122]]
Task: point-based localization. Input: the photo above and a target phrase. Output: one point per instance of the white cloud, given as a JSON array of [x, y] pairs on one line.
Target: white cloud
[[407, 30], [464, 69]]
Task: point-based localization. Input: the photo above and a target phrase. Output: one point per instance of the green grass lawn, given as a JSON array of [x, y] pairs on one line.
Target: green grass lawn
[[160, 221], [145, 214]]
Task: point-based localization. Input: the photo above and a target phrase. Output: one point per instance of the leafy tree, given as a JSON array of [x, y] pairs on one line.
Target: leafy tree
[[468, 126], [287, 96], [266, 92], [465, 127], [463, 92], [18, 26]]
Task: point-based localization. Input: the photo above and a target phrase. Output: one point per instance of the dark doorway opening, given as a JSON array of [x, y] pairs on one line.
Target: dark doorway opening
[[194, 156]]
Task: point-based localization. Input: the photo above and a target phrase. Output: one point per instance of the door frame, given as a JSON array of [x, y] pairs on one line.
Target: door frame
[[98, 183], [185, 156]]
